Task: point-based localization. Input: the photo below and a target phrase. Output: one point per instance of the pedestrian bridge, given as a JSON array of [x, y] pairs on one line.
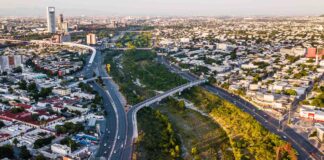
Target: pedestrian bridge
[[158, 98], [84, 81]]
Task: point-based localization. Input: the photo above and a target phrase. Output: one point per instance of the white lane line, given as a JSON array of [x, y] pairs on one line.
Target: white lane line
[[117, 123]]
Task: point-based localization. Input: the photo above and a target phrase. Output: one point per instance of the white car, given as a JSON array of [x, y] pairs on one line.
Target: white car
[[105, 144]]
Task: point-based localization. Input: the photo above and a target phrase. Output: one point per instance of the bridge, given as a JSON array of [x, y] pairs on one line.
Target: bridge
[[84, 81], [137, 31], [125, 49], [132, 131]]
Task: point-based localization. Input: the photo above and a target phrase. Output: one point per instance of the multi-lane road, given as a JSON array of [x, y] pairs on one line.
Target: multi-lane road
[[116, 141], [303, 147]]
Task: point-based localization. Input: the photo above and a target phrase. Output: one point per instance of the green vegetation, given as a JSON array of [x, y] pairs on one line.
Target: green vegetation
[[6, 151], [249, 139], [300, 74], [201, 137], [33, 91], [69, 142], [291, 59], [159, 142], [140, 66], [261, 65], [318, 100], [290, 92], [69, 128], [135, 40], [24, 153], [17, 110], [40, 157], [34, 36], [39, 143], [139, 75]]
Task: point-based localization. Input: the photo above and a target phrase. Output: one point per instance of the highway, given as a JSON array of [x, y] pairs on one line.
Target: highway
[[303, 147], [112, 148], [113, 136]]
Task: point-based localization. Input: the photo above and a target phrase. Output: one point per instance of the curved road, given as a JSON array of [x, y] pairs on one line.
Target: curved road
[[303, 147]]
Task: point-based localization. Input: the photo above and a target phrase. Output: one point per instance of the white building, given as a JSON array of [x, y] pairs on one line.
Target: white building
[[4, 63], [320, 131], [60, 149], [61, 91], [51, 27], [311, 113]]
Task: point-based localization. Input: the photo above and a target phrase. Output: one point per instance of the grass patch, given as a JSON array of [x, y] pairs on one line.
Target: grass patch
[[140, 67], [198, 132], [158, 142]]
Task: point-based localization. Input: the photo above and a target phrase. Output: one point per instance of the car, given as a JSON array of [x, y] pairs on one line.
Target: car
[[105, 144], [114, 151], [284, 137], [118, 137], [105, 152]]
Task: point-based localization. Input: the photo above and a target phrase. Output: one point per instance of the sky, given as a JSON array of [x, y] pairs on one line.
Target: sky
[[164, 7]]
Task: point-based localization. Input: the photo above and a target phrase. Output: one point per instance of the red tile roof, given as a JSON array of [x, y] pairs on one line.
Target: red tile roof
[[25, 106]]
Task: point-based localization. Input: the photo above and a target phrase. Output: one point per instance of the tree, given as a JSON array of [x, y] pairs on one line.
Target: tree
[[17, 110], [181, 105], [290, 92], [45, 92], [10, 90], [17, 70], [24, 153], [43, 142], [22, 85], [35, 117], [32, 87], [194, 151], [233, 55], [6, 151], [2, 124], [15, 141], [40, 157], [69, 142]]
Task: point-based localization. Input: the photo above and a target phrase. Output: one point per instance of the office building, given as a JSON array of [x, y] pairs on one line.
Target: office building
[[60, 22], [63, 37], [51, 20], [4, 63], [65, 27], [91, 39]]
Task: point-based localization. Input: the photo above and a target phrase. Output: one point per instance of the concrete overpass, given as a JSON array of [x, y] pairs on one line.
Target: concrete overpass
[[137, 31], [83, 81], [132, 131], [125, 49]]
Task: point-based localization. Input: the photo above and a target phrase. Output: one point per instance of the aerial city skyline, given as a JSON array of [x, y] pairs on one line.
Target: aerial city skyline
[[165, 7], [164, 80]]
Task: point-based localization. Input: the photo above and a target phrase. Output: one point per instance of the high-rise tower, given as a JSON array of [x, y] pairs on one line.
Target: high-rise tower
[[60, 22], [51, 19]]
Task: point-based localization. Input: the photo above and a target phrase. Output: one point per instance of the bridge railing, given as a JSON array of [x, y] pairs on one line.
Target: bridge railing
[[158, 98]]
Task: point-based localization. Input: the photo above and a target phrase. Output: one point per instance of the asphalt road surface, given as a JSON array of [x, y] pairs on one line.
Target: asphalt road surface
[[303, 147]]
